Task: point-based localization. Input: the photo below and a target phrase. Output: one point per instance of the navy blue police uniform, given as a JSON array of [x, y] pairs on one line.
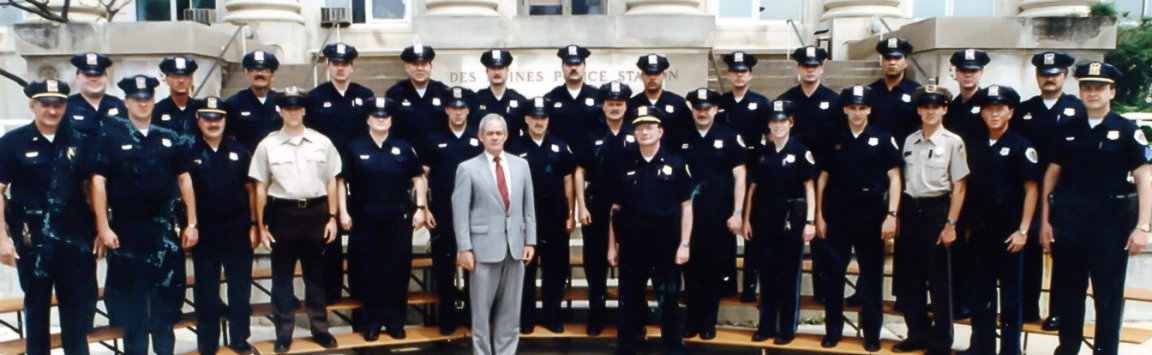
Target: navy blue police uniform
[[550, 163], [712, 155], [573, 116], [418, 114], [893, 111], [167, 113], [51, 226], [80, 114], [220, 177], [1093, 209], [963, 117], [647, 229], [510, 104], [678, 117], [855, 202], [255, 117], [145, 286]]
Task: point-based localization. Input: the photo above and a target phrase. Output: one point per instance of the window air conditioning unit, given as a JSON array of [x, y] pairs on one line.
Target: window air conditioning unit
[[205, 16], [335, 16]]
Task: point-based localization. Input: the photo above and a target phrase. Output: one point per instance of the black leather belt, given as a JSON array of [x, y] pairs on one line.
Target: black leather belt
[[300, 203]]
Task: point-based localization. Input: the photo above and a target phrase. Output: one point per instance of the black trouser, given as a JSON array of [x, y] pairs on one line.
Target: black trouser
[[648, 251], [223, 243], [779, 224], [991, 262], [552, 249], [926, 264], [855, 221], [332, 263], [299, 234], [595, 253], [381, 242], [706, 273], [1091, 233], [443, 244], [1033, 279], [963, 286], [64, 264], [145, 287]]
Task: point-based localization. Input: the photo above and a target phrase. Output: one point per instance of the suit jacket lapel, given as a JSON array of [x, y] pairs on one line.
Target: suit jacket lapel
[[490, 179]]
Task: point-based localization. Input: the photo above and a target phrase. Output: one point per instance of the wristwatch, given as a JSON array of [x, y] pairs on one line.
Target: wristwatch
[[420, 207], [893, 214], [952, 222], [684, 243], [331, 215], [1023, 231], [810, 222]]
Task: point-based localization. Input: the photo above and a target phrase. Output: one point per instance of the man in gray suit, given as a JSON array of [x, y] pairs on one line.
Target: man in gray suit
[[495, 223]]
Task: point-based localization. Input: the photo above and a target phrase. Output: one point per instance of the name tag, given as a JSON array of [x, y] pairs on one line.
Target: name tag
[[405, 103], [1027, 116], [558, 105], [589, 101], [600, 142], [126, 147], [165, 117], [513, 103], [1004, 151], [631, 173], [234, 156], [1069, 111], [1113, 135], [684, 146], [364, 157], [1070, 139], [442, 145], [824, 105], [78, 117], [873, 141], [166, 142], [197, 161], [327, 104], [113, 111], [32, 154], [245, 113], [483, 107]]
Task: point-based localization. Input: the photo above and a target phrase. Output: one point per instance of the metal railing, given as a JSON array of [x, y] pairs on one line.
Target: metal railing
[[313, 75], [796, 31], [910, 56], [216, 63], [716, 68]]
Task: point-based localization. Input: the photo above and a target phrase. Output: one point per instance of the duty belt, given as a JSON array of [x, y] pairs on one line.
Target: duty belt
[[300, 203]]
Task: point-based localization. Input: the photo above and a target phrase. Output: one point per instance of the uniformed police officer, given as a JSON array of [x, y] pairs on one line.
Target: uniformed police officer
[[219, 170], [498, 98], [575, 109], [935, 175], [782, 212], [678, 117], [1001, 203], [138, 179], [256, 115], [858, 195], [1095, 218], [444, 150], [817, 111], [601, 161], [91, 108], [178, 111], [963, 118], [1038, 119], [741, 108], [893, 112], [420, 99], [551, 164], [383, 174], [336, 111], [716, 153], [652, 221], [50, 217], [295, 170]]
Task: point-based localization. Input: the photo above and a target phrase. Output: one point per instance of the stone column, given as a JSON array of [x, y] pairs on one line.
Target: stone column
[[663, 7], [861, 8], [462, 8], [1053, 8], [263, 11]]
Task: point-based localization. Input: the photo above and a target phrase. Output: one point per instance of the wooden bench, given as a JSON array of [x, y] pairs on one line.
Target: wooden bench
[[347, 341]]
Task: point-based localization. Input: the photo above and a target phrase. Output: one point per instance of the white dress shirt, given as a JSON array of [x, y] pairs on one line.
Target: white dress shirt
[[504, 166]]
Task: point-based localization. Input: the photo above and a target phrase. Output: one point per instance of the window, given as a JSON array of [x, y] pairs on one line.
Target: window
[[562, 7], [937, 8], [10, 15], [373, 10], [163, 10], [751, 9], [1134, 8]]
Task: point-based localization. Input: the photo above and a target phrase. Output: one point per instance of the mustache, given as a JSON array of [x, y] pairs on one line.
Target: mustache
[[261, 77]]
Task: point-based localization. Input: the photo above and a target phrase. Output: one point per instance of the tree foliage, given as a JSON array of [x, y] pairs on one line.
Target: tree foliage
[[1133, 56]]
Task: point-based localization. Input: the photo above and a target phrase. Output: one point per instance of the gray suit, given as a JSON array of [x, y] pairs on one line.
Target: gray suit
[[497, 238]]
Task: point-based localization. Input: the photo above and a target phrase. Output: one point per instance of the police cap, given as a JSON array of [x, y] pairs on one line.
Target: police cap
[[214, 108], [969, 59], [614, 90], [47, 90], [573, 54], [539, 107], [894, 47], [857, 95], [91, 63], [703, 98], [652, 63], [418, 53], [292, 96], [648, 114], [781, 110], [1095, 71], [496, 58], [458, 97], [810, 55], [261, 60], [139, 86], [998, 94], [740, 61], [340, 52], [178, 65], [931, 94], [379, 106], [1052, 63]]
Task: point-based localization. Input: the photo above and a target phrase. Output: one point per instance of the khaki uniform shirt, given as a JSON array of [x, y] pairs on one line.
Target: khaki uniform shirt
[[295, 171], [932, 165]]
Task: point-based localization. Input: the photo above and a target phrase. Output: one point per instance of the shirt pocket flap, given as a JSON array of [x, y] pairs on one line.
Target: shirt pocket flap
[[480, 229]]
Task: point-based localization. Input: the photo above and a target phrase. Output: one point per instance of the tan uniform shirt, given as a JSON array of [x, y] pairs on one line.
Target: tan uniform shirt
[[295, 170], [932, 165]]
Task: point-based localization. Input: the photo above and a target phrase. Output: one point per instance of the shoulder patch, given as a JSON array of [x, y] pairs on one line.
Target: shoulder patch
[[740, 141], [894, 145], [1031, 155], [961, 151], [808, 155], [1140, 138]]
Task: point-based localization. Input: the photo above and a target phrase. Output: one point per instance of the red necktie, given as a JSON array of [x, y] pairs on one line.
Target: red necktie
[[503, 185]]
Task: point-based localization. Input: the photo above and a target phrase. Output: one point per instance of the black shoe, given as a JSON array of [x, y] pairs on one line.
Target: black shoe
[[748, 297], [829, 342], [283, 345], [557, 328], [397, 333], [1051, 324], [967, 352], [447, 330], [760, 336], [242, 348], [207, 351], [852, 301], [594, 329], [689, 333], [527, 330], [872, 346], [909, 346], [784, 339], [708, 334], [325, 340], [372, 333]]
